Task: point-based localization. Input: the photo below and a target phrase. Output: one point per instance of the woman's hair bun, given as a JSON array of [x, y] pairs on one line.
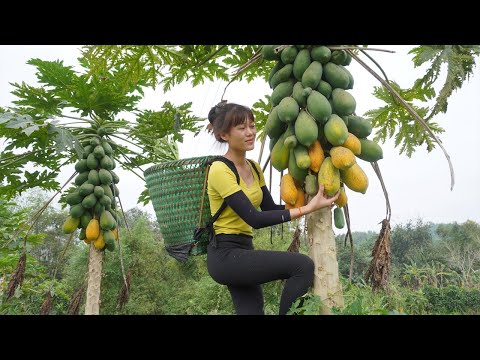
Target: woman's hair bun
[[215, 111]]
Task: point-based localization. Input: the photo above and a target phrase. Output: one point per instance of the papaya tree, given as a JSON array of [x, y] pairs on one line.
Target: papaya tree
[[79, 117]]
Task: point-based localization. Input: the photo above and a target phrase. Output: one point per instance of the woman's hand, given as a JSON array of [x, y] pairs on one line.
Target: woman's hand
[[320, 200]]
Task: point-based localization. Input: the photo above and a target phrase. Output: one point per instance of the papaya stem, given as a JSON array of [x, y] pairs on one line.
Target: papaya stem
[[72, 125], [120, 247], [44, 207], [210, 56], [381, 69], [349, 235], [138, 154], [410, 110], [62, 254], [77, 118], [376, 63], [15, 156], [356, 47], [37, 215], [55, 170], [376, 168], [261, 147], [133, 152], [266, 163], [280, 48], [19, 157], [270, 189], [128, 141], [129, 168], [130, 160]]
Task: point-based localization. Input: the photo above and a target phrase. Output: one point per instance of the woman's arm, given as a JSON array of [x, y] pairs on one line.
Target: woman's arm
[[240, 203], [267, 202]]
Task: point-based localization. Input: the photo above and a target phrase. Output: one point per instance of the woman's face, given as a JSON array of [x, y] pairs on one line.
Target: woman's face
[[242, 136]]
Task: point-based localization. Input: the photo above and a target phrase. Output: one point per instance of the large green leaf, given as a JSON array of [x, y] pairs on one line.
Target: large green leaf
[[460, 60], [50, 137], [393, 120]]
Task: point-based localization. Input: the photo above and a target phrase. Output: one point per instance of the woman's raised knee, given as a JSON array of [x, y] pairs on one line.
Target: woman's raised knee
[[309, 265], [305, 264]]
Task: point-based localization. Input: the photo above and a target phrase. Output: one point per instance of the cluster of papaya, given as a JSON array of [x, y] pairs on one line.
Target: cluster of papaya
[[313, 129], [92, 203]]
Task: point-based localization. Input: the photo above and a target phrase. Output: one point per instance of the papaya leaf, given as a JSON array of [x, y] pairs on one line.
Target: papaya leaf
[[260, 110], [171, 65], [53, 73], [43, 101], [393, 120], [151, 125], [38, 134], [63, 138], [144, 197], [166, 149], [19, 122], [29, 130], [139, 62], [79, 150], [176, 124], [460, 60], [5, 117]]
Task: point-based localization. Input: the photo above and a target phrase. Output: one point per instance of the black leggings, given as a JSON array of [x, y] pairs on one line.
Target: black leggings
[[236, 264]]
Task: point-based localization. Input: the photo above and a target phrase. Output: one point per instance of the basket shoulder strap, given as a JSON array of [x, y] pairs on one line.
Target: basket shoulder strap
[[255, 168], [232, 167], [219, 211]]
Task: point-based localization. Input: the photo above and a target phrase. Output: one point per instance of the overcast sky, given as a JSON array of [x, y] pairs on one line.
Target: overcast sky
[[418, 187]]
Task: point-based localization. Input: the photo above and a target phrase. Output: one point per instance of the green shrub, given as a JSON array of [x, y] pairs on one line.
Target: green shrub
[[452, 300]]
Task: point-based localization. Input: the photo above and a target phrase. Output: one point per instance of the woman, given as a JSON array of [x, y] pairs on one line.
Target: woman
[[232, 260]]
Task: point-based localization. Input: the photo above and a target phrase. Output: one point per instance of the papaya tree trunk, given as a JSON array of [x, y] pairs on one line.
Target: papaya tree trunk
[[92, 306], [326, 283]]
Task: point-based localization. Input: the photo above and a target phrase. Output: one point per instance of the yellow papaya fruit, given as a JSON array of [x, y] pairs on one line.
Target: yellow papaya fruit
[[288, 190], [315, 152], [342, 198], [353, 143], [115, 233], [342, 158], [329, 176], [355, 178], [300, 199], [93, 230], [99, 242]]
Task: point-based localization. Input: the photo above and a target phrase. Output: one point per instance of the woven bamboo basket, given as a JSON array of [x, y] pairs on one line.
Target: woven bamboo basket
[[176, 191]]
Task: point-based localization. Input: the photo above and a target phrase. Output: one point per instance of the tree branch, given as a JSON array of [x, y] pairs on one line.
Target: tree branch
[[130, 169], [357, 47]]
